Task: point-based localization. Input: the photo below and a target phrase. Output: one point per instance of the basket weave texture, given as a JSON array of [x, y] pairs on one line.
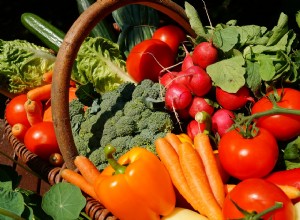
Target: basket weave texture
[[59, 97]]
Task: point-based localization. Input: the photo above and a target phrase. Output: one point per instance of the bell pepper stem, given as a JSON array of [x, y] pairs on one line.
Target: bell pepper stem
[[109, 150]]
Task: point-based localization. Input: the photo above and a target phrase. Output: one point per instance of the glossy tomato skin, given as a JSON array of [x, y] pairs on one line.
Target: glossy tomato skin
[[144, 58], [283, 127], [256, 194], [15, 111], [40, 139], [246, 158], [171, 35]]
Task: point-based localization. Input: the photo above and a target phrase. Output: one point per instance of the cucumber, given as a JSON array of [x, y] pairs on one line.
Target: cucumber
[[50, 35]]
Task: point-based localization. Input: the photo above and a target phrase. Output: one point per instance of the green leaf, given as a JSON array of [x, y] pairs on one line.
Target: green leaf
[[225, 39], [228, 74], [87, 94], [266, 67], [279, 30], [253, 79], [11, 201], [22, 65], [63, 201], [137, 23], [292, 154], [195, 20], [298, 18], [99, 62]]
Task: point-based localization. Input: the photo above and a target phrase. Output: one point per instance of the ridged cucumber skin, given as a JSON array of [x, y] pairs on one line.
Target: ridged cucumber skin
[[50, 35]]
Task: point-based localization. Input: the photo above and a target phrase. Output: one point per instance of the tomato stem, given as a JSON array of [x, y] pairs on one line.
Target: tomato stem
[[277, 205]]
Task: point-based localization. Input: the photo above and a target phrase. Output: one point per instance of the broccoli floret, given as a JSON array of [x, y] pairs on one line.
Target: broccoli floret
[[148, 89], [98, 158], [124, 119]]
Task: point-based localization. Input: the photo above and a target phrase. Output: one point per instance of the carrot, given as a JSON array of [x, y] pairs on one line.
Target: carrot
[[41, 93], [87, 169], [174, 140], [291, 191], [76, 179], [197, 180], [33, 111], [170, 159], [47, 76], [205, 151], [19, 130]]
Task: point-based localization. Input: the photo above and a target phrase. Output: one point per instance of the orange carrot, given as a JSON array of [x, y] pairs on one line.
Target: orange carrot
[[76, 179], [34, 111], [47, 76], [205, 151], [87, 169], [174, 140], [197, 180], [41, 93], [169, 158], [19, 130]]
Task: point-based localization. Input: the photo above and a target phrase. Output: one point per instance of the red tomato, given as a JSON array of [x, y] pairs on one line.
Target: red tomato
[[40, 139], [258, 195], [15, 111], [246, 158], [147, 59], [170, 34], [282, 126]]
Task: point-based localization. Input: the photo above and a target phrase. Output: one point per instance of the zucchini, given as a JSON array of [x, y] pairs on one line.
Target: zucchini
[[50, 35]]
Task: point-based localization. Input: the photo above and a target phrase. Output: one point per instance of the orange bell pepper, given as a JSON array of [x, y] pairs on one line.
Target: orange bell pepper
[[136, 187]]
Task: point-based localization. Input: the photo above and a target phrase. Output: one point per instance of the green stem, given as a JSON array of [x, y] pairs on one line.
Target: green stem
[[275, 110], [109, 150], [277, 205], [10, 214]]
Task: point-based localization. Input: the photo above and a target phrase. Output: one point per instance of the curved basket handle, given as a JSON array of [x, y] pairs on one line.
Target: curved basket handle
[[68, 52]]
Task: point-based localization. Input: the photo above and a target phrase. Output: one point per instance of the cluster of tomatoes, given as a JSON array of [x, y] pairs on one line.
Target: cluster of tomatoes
[[35, 129], [249, 153]]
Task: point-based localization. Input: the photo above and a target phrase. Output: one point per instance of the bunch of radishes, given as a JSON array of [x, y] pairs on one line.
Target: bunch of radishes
[[188, 92]]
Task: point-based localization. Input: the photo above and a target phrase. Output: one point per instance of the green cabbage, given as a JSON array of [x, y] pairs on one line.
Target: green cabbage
[[22, 65], [100, 62]]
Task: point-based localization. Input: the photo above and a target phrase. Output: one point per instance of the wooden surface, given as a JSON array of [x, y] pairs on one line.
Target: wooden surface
[[28, 181]]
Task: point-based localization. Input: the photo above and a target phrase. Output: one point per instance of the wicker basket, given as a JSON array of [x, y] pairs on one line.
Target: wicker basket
[[59, 97]]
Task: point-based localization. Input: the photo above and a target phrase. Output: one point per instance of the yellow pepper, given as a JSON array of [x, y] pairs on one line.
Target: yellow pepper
[[136, 187]]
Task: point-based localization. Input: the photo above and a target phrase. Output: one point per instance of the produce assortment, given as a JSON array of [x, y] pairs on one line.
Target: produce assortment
[[180, 127]]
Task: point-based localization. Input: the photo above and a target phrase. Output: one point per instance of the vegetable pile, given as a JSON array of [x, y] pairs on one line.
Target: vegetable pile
[[202, 123]]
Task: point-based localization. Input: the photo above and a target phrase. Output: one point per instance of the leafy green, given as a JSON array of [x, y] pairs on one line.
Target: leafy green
[[267, 56], [99, 62], [63, 201], [22, 65], [292, 154], [228, 74], [11, 201], [298, 18], [137, 23]]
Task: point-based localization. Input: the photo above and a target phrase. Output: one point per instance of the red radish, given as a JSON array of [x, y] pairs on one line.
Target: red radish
[[167, 78], [177, 97], [200, 104], [187, 61], [233, 101], [200, 83], [222, 120], [194, 127], [205, 54]]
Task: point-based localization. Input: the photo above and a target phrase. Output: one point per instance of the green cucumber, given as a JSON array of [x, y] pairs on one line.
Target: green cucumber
[[50, 35]]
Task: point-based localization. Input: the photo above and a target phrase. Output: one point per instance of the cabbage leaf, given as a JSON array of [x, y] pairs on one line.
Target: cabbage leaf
[[22, 65]]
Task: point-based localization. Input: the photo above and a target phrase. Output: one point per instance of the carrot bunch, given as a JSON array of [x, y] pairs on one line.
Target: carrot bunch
[[194, 172]]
